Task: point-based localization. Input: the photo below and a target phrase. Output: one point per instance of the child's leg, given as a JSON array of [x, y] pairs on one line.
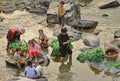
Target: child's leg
[[62, 21]]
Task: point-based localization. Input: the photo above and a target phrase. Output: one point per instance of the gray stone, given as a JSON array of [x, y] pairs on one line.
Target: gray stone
[[96, 32], [117, 34], [105, 15], [116, 42], [71, 32], [1, 18], [86, 49], [111, 4], [84, 24], [42, 10], [90, 40], [9, 9]]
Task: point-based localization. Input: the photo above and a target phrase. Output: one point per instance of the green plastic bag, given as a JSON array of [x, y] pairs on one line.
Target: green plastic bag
[[55, 46]]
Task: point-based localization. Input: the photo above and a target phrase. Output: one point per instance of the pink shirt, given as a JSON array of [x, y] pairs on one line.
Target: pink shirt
[[36, 48]]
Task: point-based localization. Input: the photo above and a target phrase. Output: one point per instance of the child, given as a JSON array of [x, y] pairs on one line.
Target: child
[[39, 69], [42, 38], [61, 13], [63, 39], [34, 50], [30, 71], [18, 56]]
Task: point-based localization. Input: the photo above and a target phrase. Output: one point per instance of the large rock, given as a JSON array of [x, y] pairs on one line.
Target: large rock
[[9, 9], [90, 40], [42, 10], [71, 32], [52, 17], [84, 24], [117, 34], [110, 4], [116, 42], [52, 13]]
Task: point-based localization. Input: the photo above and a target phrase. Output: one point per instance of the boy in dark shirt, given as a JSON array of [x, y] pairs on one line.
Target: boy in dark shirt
[[63, 39]]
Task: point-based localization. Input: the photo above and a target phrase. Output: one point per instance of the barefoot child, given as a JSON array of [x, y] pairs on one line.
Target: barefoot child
[[61, 13]]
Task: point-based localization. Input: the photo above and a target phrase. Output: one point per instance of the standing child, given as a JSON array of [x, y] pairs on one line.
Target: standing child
[[63, 39], [61, 13], [43, 40], [30, 71]]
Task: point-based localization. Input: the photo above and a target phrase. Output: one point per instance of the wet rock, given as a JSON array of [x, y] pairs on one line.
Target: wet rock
[[21, 5], [1, 18], [84, 24], [42, 10], [86, 49], [105, 15], [117, 34], [9, 9], [90, 40], [111, 4], [116, 42], [71, 32], [96, 32]]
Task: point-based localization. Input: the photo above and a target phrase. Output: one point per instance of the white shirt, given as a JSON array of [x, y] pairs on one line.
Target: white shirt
[[39, 71]]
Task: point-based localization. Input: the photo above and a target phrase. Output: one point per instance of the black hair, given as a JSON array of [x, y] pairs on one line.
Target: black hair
[[18, 49], [64, 30], [40, 30], [62, 2], [29, 62], [41, 61]]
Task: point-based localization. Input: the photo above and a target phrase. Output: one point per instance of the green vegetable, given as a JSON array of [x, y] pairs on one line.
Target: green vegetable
[[96, 55], [113, 64], [14, 45], [55, 46]]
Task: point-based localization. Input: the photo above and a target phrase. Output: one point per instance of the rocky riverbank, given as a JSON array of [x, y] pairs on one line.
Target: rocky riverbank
[[108, 29]]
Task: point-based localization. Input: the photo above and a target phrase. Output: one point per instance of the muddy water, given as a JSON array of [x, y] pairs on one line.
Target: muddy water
[[69, 71]]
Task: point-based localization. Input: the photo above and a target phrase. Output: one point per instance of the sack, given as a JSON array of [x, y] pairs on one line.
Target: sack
[[55, 46]]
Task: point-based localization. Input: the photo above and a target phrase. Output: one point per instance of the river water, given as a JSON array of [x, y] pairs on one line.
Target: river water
[[70, 71]]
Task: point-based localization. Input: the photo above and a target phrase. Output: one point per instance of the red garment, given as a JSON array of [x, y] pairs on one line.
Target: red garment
[[13, 34], [34, 51]]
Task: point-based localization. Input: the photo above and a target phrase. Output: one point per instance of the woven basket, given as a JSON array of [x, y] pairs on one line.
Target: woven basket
[[111, 54]]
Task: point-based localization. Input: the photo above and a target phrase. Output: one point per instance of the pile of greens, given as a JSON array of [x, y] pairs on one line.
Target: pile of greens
[[113, 64], [14, 45], [96, 55], [55, 46]]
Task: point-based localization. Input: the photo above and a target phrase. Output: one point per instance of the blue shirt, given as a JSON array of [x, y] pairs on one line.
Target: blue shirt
[[30, 72]]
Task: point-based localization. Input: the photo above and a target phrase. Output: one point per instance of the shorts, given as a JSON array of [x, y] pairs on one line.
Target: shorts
[[65, 51], [33, 54]]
